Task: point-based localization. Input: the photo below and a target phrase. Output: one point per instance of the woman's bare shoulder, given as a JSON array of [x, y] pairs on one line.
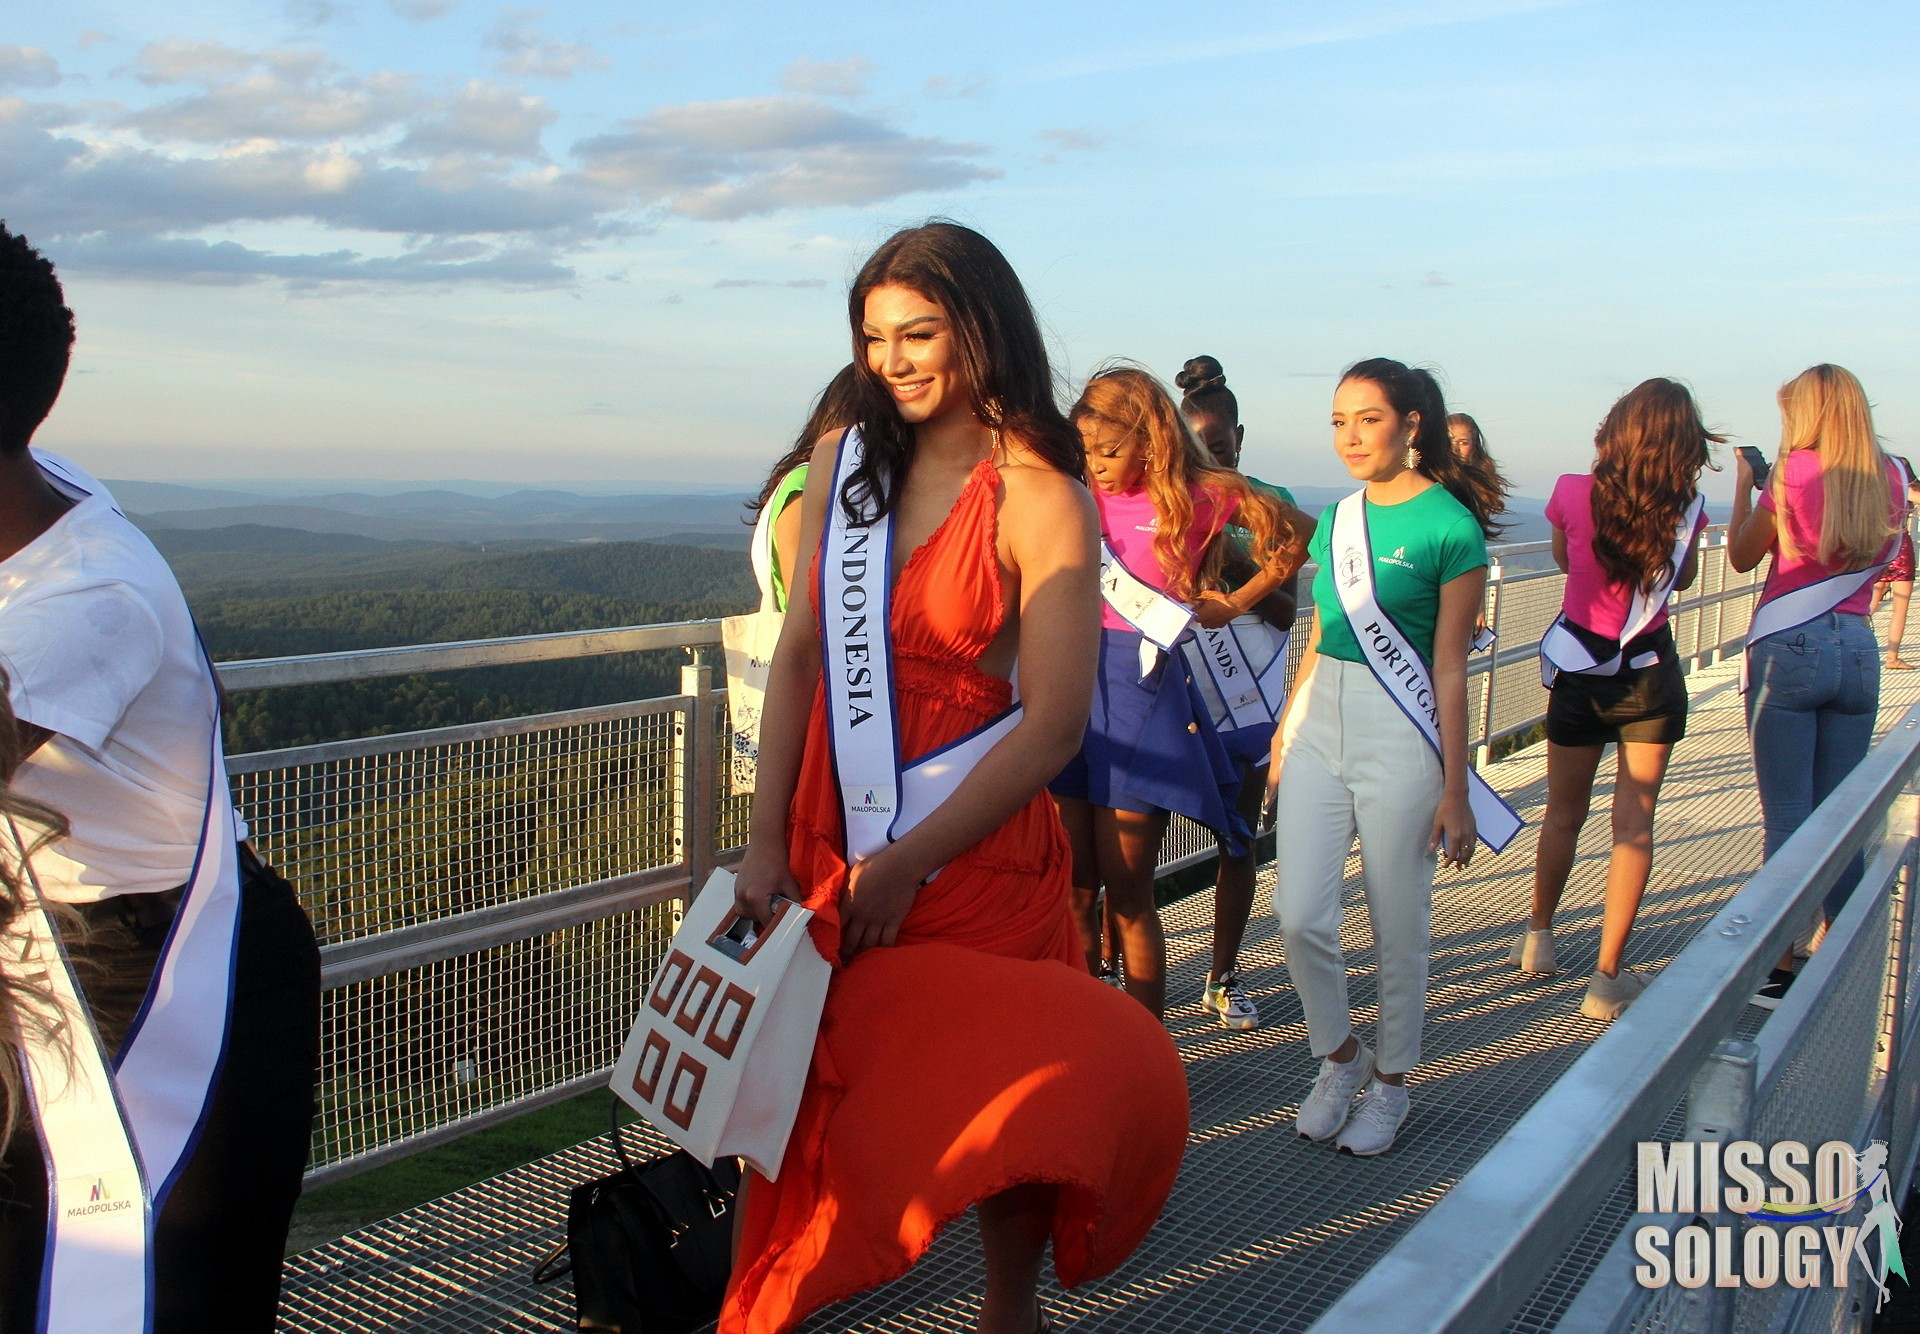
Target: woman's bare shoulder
[[1037, 492]]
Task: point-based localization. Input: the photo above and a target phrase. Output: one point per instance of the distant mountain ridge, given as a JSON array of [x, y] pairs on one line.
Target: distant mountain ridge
[[445, 515]]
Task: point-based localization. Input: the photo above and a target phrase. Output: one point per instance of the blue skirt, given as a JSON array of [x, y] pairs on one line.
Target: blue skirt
[[1151, 746]]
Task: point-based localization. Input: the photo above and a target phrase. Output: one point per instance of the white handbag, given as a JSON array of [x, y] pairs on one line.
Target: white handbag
[[719, 1056], [749, 642]]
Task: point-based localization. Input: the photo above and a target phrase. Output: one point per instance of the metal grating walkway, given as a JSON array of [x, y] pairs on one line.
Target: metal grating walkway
[[1264, 1229]]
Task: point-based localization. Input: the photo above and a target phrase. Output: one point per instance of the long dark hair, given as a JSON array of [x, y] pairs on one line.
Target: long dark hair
[[1648, 456], [1000, 347], [1474, 483], [833, 411]]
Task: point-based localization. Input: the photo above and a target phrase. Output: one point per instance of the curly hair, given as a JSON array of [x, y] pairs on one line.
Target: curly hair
[[1130, 400], [1648, 456], [36, 340]]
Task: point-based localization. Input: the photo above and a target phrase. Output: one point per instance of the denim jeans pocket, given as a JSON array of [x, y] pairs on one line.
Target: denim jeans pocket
[[1785, 670]]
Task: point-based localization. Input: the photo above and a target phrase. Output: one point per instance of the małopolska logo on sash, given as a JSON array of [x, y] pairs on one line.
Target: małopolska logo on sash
[[1797, 1229]]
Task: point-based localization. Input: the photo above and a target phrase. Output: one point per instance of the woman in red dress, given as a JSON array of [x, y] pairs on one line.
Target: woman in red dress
[[965, 1055]]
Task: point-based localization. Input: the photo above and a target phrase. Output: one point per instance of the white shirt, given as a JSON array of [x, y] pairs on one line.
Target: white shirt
[[100, 650]]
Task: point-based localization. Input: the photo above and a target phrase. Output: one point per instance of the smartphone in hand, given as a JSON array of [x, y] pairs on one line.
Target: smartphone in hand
[[1756, 463]]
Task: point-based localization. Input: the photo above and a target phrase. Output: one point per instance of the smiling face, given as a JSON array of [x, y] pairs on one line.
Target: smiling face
[[1116, 459], [1368, 435], [1222, 441], [911, 346]]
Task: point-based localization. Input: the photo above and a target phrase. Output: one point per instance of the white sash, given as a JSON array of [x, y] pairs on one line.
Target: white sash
[[879, 802], [1241, 669], [98, 1271], [1562, 651], [1395, 664], [1161, 620], [1776, 613]]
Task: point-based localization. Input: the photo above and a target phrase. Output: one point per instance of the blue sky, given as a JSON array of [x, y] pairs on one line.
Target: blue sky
[[593, 242]]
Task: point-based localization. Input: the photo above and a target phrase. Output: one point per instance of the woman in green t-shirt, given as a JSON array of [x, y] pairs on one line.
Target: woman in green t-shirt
[[1347, 759], [776, 517], [1214, 414]]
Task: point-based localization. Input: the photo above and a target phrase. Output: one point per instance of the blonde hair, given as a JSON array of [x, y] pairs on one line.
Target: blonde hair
[[1825, 408], [1130, 400]]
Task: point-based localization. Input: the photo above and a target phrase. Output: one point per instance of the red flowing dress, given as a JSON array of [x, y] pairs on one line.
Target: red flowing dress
[[976, 1054]]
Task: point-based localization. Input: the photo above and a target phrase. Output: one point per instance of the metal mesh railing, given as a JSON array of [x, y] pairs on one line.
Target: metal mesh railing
[[397, 830], [409, 1054], [449, 871]]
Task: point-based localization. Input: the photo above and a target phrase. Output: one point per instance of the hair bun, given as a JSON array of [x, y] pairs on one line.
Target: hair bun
[[1200, 374]]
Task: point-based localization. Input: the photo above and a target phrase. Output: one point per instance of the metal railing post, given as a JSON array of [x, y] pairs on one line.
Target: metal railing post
[[1719, 1111], [1718, 585], [1483, 751], [696, 772]]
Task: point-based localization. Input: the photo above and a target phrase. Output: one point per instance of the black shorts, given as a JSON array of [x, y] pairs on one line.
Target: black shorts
[[1646, 704]]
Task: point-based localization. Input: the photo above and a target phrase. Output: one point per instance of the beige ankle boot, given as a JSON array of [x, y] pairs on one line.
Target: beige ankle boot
[[1609, 997], [1533, 953]]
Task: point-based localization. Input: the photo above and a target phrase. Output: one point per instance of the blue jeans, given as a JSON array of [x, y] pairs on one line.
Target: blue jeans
[[1812, 696]]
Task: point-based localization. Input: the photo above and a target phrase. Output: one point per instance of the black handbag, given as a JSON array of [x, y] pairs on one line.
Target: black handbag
[[650, 1247]]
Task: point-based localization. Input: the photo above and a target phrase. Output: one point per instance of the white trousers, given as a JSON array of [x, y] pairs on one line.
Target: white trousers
[[1352, 762]]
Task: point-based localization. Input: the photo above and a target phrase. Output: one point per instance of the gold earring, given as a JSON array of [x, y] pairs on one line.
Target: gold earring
[[1412, 459]]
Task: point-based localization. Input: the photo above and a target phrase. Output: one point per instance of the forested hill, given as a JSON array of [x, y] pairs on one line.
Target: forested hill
[[268, 600]]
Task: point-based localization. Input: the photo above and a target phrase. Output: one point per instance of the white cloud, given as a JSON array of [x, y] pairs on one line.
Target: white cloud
[[223, 262], [27, 67], [526, 54], [93, 37], [828, 78], [457, 181], [422, 10], [314, 13], [296, 101], [721, 160], [208, 62], [1074, 141], [946, 86], [483, 118]]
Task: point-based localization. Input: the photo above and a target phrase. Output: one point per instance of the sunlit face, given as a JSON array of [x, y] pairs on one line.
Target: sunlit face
[[1462, 439], [1368, 435], [1116, 459], [911, 347], [1222, 441]]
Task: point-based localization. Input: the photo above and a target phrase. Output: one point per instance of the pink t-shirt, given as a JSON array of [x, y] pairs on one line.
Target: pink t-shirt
[[1129, 521], [1807, 507], [1593, 598]]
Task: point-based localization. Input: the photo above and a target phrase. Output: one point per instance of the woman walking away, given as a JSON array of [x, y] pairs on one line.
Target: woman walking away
[[1151, 744], [964, 1055], [1214, 414], [1625, 536], [1829, 516], [1374, 738], [1897, 580], [776, 530]]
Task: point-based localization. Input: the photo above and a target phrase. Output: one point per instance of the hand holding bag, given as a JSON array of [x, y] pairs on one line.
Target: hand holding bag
[[719, 1056]]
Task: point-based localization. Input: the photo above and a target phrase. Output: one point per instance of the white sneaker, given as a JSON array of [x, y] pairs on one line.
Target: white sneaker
[[1326, 1106], [1382, 1111], [1230, 1001]]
